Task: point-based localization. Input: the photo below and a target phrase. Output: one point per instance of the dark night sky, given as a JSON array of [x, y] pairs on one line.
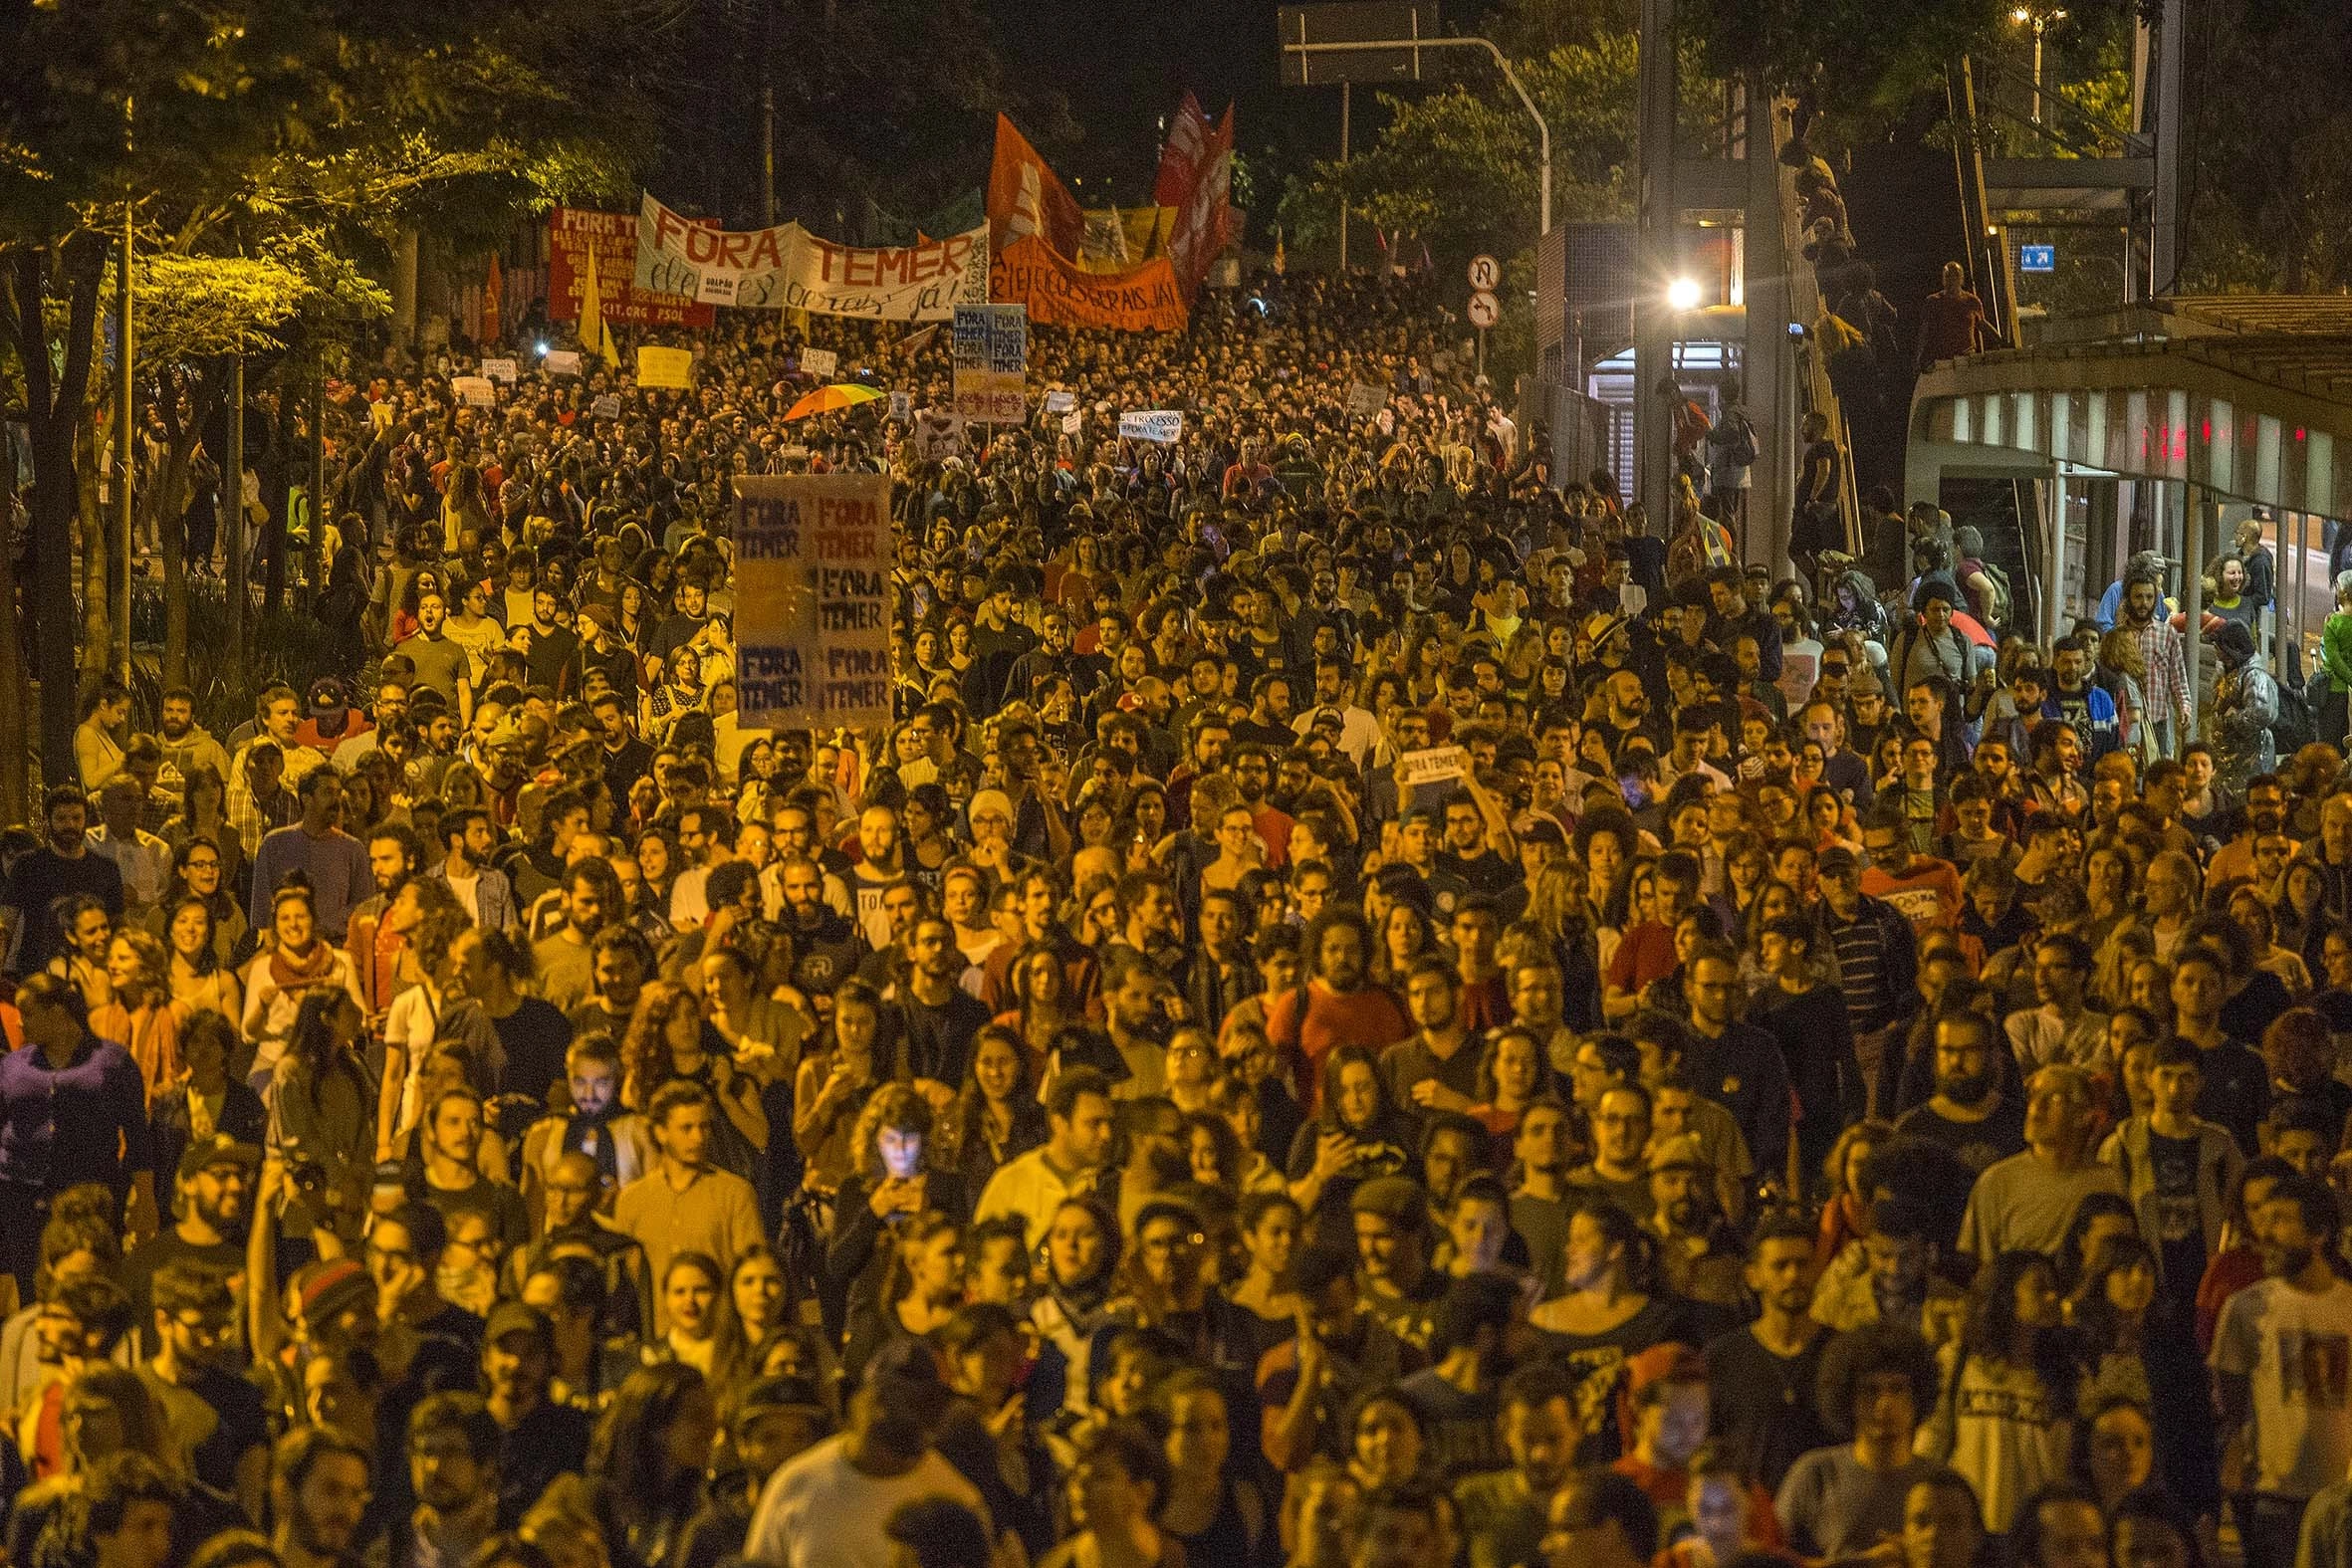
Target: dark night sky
[[1123, 64]]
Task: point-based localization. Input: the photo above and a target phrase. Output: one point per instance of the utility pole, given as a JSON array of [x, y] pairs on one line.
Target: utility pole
[[122, 458], [1346, 92], [233, 515], [768, 113]]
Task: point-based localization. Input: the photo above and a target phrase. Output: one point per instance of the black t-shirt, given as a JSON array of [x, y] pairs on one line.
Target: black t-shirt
[[623, 768], [533, 1037], [1765, 1408], [550, 656], [43, 877], [542, 1446], [1978, 1144], [936, 1042], [2236, 1093], [244, 1427], [2179, 1226], [499, 1199]]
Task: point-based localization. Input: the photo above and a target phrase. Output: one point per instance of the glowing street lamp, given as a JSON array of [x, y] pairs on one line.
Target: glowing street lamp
[[2039, 21]]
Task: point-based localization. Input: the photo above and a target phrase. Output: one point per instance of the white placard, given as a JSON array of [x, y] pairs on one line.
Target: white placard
[[1073, 422], [1060, 402], [605, 407], [1434, 765], [1163, 426], [819, 362], [499, 371], [1364, 400], [474, 391], [903, 407], [562, 362]]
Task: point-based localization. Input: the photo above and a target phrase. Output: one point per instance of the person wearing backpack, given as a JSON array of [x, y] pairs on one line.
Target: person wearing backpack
[[1732, 451], [1986, 586]]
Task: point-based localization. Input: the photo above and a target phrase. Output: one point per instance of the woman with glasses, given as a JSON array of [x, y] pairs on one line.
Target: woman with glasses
[[72, 1109]]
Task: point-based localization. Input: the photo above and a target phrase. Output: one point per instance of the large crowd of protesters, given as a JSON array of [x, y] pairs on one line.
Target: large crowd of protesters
[[1372, 1007]]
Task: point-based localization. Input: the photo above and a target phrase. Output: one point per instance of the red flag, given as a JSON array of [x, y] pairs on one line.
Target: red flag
[[1025, 196], [493, 304]]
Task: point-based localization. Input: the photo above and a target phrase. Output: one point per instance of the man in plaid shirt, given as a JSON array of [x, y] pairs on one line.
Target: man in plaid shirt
[[2165, 685]]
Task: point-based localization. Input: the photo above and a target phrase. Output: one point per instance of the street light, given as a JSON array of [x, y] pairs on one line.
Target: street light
[[2039, 21], [1683, 294]]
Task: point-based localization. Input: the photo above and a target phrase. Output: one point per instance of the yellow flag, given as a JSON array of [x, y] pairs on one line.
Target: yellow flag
[[595, 336], [1280, 260]]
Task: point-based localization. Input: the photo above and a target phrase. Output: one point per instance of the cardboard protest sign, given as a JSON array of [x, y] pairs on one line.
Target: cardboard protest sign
[[499, 371], [562, 362], [819, 362], [665, 367], [474, 391], [1434, 765], [813, 599], [992, 362], [1163, 426]]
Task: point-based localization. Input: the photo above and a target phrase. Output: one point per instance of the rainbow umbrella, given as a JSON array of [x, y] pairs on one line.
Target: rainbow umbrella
[[831, 400]]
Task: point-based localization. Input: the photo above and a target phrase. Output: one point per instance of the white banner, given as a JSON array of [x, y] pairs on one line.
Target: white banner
[[499, 371], [788, 268], [562, 362], [1434, 765], [1060, 402], [475, 392], [1163, 426], [819, 362]]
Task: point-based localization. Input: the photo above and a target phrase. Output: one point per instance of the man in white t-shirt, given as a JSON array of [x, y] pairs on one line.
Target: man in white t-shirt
[[2283, 1363], [828, 1507]]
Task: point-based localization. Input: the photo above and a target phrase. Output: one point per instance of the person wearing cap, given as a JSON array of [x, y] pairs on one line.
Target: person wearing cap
[[216, 1181], [1877, 957], [2245, 707], [768, 1424], [332, 720], [1697, 1251], [829, 1506], [539, 1439]]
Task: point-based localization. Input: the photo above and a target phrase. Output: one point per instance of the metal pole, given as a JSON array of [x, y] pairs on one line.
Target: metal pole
[[318, 551], [123, 460], [1346, 100], [2165, 241], [1658, 211], [768, 114], [2037, 68], [2192, 595], [233, 515]]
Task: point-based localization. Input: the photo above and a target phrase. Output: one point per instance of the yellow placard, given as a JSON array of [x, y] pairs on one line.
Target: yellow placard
[[671, 367]]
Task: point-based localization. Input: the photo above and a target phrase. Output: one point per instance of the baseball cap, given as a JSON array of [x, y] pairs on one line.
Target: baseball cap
[[515, 1317], [908, 1361], [1678, 1153], [1837, 858], [219, 1149], [1391, 1198]]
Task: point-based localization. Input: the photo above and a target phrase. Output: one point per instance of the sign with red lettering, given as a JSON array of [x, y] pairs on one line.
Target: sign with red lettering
[[788, 268], [813, 600], [573, 232]]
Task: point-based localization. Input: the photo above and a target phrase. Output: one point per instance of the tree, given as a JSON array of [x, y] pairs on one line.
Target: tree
[[260, 128]]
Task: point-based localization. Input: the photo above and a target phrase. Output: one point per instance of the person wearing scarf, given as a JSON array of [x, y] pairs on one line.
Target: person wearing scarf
[[1081, 1271]]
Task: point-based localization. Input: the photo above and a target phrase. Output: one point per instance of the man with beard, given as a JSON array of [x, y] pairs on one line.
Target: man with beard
[[2062, 1027], [1628, 713], [1764, 1380], [2278, 1363], [935, 1017], [186, 744], [539, 1439], [2264, 814], [1846, 773], [214, 1419], [1340, 1004], [60, 868], [563, 961], [1051, 657], [2165, 686], [1697, 1251], [215, 1197], [1734, 1064], [826, 944], [318, 1494], [395, 854], [453, 1449], [2081, 702], [1968, 1115]]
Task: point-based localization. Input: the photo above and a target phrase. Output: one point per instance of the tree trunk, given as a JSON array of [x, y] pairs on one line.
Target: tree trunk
[[278, 498], [98, 640], [54, 406]]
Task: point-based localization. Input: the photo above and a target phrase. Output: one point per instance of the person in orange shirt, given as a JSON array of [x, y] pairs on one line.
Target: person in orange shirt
[[1666, 1413]]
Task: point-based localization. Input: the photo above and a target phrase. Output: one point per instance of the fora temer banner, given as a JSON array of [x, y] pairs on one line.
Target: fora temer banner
[[788, 268]]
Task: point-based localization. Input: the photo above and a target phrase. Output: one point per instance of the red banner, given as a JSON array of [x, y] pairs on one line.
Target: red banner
[[1142, 299], [1195, 178], [572, 233]]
